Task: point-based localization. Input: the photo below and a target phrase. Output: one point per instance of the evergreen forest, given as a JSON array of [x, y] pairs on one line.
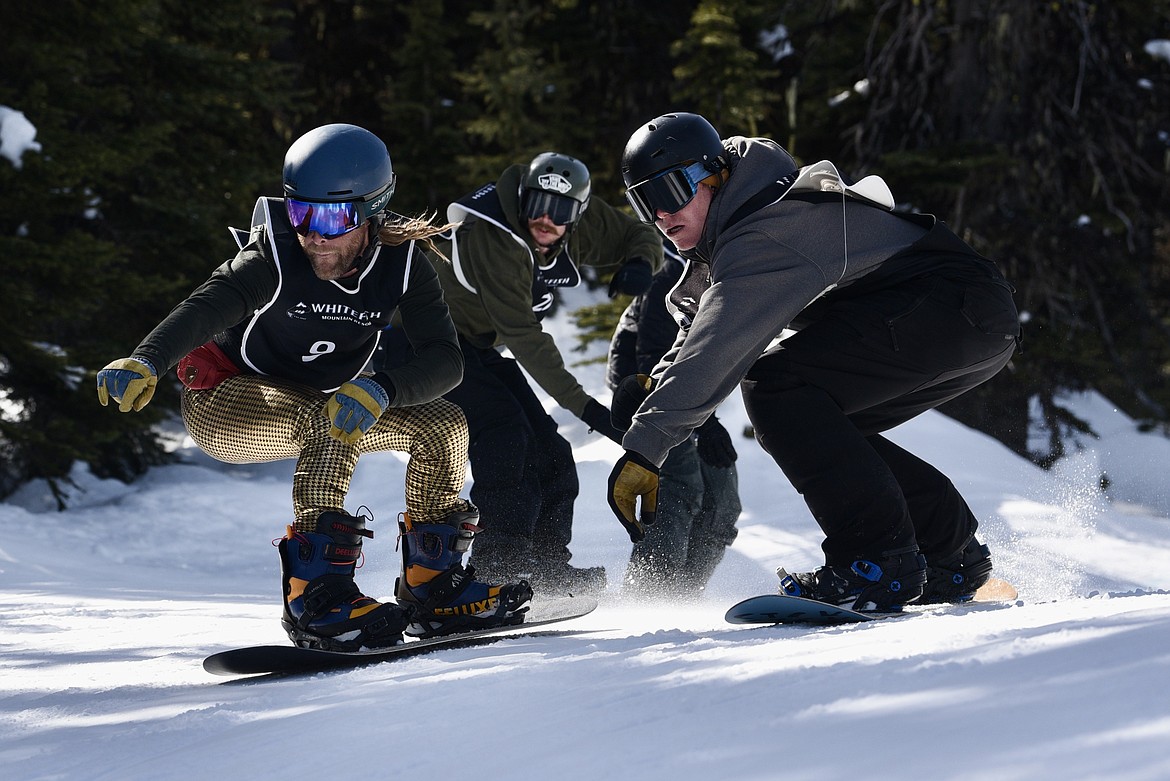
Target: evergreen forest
[[1039, 131]]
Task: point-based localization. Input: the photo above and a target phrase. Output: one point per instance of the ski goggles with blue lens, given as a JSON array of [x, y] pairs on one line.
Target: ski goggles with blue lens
[[669, 191], [561, 209], [330, 220], [334, 219]]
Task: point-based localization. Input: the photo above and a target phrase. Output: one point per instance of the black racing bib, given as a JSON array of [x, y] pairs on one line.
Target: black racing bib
[[561, 271], [317, 332]]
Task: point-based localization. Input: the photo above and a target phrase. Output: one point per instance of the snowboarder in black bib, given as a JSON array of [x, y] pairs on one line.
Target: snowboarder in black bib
[[272, 350], [893, 315], [520, 238]]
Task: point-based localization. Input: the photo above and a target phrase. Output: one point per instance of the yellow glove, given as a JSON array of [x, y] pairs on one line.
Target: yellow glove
[[354, 408], [127, 381], [633, 478]]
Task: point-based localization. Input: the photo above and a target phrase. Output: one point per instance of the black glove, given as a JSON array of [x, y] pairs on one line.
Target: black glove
[[633, 478], [714, 444], [632, 278], [627, 398], [596, 417]]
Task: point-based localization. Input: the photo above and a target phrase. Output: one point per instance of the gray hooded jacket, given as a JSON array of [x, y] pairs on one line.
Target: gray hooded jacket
[[748, 281]]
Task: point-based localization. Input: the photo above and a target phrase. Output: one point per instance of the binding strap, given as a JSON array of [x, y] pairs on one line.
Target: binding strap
[[323, 594], [445, 587]]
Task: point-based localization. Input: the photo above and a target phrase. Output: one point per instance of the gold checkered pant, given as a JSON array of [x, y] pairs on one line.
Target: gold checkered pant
[[248, 419]]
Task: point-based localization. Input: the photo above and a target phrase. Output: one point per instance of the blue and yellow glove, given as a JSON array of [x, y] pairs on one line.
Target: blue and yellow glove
[[634, 478], [128, 381], [354, 408]]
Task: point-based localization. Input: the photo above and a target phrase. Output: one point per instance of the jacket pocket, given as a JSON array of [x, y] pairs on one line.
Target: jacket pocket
[[989, 308], [903, 302]]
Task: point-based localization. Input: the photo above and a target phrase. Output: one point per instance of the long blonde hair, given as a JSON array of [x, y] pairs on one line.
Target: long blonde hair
[[398, 229]]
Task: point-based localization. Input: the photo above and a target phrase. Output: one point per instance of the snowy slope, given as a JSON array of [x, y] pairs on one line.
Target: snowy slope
[[106, 611]]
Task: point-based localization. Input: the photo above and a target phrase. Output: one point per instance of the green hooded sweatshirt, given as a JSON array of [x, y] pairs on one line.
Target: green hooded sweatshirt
[[489, 286]]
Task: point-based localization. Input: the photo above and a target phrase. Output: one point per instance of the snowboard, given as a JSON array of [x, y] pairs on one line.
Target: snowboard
[[785, 609], [290, 659]]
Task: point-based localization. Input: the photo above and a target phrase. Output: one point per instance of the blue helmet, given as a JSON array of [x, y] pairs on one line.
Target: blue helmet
[[336, 178], [340, 163]]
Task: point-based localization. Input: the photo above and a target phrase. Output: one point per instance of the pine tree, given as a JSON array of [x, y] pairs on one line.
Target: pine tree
[[621, 69], [1031, 128], [423, 108], [151, 144], [718, 75], [522, 85]]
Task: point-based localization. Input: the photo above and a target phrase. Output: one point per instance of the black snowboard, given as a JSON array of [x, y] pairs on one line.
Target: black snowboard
[[288, 659]]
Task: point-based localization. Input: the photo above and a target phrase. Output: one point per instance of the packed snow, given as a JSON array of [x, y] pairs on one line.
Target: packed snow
[[107, 610]]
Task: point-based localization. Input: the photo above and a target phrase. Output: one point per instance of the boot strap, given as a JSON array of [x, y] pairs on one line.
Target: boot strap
[[325, 593], [341, 554]]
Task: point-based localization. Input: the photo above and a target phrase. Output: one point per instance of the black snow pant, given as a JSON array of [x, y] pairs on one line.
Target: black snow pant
[[524, 478], [821, 398]]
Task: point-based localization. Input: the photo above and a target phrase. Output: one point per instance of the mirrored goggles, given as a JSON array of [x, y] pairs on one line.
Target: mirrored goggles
[[667, 192], [330, 220], [561, 209]]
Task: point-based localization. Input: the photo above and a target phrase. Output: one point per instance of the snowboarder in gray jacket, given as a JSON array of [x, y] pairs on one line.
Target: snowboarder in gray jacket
[[886, 315]]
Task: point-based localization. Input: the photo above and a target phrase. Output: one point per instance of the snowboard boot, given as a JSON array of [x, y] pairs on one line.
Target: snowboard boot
[[560, 580], [445, 595], [323, 607], [882, 585], [957, 577], [502, 558]]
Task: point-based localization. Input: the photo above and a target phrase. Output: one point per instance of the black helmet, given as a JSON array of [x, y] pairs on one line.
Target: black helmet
[[685, 146], [345, 166], [670, 141], [556, 185]]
